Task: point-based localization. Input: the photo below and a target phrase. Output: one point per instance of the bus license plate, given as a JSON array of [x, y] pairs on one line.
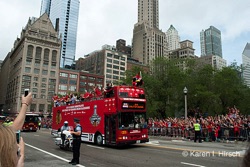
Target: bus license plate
[[138, 141]]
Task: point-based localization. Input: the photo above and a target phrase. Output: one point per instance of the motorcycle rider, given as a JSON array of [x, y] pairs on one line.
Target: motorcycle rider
[[63, 128]]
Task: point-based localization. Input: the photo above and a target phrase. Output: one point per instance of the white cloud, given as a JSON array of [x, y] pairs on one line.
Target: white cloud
[[105, 21]]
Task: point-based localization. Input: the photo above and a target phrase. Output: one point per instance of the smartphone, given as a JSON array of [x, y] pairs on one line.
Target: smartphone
[[18, 135], [26, 92]]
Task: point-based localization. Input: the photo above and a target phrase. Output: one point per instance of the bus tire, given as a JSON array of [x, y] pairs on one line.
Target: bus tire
[[98, 139]]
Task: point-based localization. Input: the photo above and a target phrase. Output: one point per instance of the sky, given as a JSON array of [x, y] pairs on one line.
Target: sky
[[105, 21]]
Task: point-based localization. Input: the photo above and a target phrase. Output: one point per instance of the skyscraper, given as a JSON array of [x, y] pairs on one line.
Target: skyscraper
[[246, 64], [172, 38], [64, 16], [148, 41], [148, 11], [210, 41]]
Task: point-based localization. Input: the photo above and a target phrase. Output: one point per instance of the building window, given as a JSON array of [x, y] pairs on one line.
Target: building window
[[91, 78], [116, 56], [28, 61], [45, 63], [115, 72], [62, 93], [122, 68], [83, 83], [99, 79], [109, 65], [30, 51], [108, 76], [27, 69], [41, 107], [35, 78], [83, 77], [73, 75], [109, 71], [72, 82], [109, 60], [63, 81], [116, 67], [43, 91], [44, 79], [116, 62], [54, 53], [26, 84], [35, 84], [109, 55], [45, 72], [53, 65], [34, 90], [44, 85], [91, 84], [37, 63], [115, 77], [43, 96], [52, 73], [33, 107], [63, 87], [36, 71], [46, 54], [62, 74], [72, 88], [38, 52]]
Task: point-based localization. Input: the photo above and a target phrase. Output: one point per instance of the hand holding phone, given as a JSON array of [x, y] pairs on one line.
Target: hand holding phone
[[18, 135], [26, 92]]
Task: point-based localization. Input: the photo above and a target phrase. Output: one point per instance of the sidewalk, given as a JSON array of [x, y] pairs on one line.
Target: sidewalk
[[180, 143]]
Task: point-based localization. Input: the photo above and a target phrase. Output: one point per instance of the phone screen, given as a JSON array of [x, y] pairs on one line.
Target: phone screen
[[18, 134]]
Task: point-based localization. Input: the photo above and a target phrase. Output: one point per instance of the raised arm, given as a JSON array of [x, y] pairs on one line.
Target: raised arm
[[18, 122]]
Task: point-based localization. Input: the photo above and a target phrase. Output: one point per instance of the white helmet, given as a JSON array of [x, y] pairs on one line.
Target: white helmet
[[65, 122]]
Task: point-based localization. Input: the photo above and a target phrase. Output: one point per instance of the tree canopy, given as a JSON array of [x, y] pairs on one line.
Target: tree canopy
[[210, 91]]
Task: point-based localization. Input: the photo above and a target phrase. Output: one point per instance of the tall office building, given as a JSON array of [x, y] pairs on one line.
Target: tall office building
[[148, 41], [45, 7], [64, 16], [172, 38], [246, 64], [210, 41]]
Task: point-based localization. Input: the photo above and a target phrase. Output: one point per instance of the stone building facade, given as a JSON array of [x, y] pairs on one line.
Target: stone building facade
[[33, 63]]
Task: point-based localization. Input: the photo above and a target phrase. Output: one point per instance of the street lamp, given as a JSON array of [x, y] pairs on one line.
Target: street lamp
[[185, 90]]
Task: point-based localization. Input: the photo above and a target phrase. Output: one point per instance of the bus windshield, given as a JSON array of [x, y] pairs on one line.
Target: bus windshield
[[131, 93], [132, 120], [31, 118]]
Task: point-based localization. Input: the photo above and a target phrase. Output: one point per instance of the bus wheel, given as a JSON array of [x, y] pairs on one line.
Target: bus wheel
[[98, 139]]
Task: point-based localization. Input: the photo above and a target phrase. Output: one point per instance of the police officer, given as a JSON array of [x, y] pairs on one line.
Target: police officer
[[76, 142], [63, 128], [197, 131]]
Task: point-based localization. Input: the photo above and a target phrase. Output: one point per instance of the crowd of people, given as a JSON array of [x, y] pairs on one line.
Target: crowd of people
[[232, 126], [71, 98]]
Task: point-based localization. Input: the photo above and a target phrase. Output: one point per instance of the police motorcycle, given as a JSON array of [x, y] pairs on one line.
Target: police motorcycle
[[64, 139]]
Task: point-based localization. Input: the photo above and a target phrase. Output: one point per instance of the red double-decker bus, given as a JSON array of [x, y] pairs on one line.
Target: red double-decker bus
[[31, 122], [115, 120]]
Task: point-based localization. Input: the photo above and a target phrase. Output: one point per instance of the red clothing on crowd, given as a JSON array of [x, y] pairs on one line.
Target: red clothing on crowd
[[98, 92], [86, 95], [55, 98]]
